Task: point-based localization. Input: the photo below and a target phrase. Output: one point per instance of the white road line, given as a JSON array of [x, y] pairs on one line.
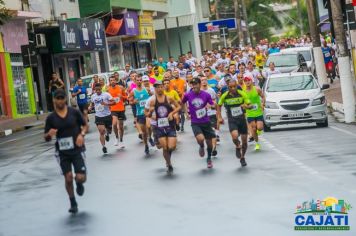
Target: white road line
[[344, 131]]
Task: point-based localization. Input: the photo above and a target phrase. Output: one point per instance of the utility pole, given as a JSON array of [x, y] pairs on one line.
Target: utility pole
[[346, 78], [315, 35], [299, 9], [217, 3], [247, 33], [238, 21]]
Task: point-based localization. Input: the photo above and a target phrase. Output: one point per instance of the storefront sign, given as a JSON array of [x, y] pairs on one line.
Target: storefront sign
[[15, 35], [146, 27], [213, 26], [130, 24], [113, 27], [70, 35]]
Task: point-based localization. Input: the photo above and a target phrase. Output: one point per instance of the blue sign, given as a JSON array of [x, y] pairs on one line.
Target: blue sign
[[213, 26]]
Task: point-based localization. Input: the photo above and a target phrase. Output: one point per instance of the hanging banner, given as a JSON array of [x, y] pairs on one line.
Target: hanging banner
[[113, 27], [146, 27]]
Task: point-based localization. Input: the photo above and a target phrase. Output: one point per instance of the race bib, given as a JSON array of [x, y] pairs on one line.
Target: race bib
[[65, 143], [201, 113], [236, 111], [81, 96], [142, 103], [327, 54], [117, 99], [99, 108], [162, 122], [211, 112], [254, 107]]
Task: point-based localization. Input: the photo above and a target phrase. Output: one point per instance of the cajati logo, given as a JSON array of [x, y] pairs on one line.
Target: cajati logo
[[328, 214]]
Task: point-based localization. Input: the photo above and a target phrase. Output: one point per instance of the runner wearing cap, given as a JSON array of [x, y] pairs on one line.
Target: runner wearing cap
[[151, 91], [198, 102], [164, 109], [255, 113]]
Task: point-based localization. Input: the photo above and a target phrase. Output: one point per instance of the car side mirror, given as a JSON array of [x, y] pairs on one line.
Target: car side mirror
[[304, 63], [325, 86]]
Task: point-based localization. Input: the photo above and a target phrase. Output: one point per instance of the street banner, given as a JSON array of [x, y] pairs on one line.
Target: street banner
[[113, 27], [215, 25]]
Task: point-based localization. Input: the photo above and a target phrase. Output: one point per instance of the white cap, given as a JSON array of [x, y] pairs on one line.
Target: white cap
[[145, 78]]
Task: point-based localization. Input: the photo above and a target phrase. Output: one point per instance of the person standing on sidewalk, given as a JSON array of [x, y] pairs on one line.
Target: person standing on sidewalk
[[69, 127]]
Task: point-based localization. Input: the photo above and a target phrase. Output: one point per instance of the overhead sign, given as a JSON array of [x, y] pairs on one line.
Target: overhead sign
[[29, 54], [215, 25], [70, 35], [114, 26]]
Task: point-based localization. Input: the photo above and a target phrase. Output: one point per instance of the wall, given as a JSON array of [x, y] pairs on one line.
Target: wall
[[179, 7], [13, 4], [155, 5], [186, 36], [60, 6]]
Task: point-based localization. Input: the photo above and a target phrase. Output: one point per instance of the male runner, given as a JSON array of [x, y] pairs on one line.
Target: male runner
[[164, 108], [180, 86], [255, 114], [138, 97], [103, 120], [80, 92], [235, 101], [69, 127], [198, 102], [118, 110]]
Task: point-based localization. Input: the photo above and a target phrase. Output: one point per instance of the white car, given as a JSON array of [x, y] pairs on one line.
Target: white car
[[294, 98], [308, 55]]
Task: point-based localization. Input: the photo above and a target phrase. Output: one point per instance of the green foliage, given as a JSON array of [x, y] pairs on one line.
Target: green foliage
[[5, 14], [294, 30]]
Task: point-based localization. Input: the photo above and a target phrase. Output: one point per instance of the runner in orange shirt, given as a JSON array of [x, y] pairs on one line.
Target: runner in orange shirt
[[179, 85], [118, 110]]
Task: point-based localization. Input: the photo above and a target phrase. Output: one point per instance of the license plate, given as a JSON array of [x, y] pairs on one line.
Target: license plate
[[295, 115]]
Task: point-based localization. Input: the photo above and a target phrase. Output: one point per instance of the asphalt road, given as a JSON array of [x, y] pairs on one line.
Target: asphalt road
[[129, 194]]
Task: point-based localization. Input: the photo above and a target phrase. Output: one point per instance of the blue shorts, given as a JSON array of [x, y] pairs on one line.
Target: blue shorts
[[141, 120], [252, 119]]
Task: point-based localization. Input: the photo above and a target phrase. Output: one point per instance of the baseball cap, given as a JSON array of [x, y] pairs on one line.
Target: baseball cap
[[145, 78], [247, 78], [59, 93], [158, 82], [196, 80]]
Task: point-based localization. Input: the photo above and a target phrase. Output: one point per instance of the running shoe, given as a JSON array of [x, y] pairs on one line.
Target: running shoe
[[177, 127], [217, 138], [214, 153], [105, 150], [182, 128], [201, 152], [122, 144], [151, 142], [251, 139], [170, 169], [107, 137], [117, 142], [140, 136], [238, 153], [147, 150], [259, 132], [243, 162], [80, 189], [73, 209], [257, 147], [210, 164]]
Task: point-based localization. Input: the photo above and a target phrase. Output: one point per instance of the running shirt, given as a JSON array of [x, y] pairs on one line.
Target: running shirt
[[225, 61], [213, 95], [68, 128], [172, 94], [178, 85], [182, 73], [327, 54], [82, 97], [162, 111], [171, 65], [260, 60], [141, 97], [119, 95], [101, 110], [213, 83], [255, 101], [233, 103], [197, 106]]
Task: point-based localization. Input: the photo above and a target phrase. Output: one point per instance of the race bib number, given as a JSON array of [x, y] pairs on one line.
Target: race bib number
[[327, 54], [211, 112], [99, 108], [81, 96], [254, 107], [201, 113], [162, 122], [65, 143], [142, 103], [117, 99], [236, 111]]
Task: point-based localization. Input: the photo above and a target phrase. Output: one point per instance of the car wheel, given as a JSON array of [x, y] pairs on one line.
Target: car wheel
[[323, 124]]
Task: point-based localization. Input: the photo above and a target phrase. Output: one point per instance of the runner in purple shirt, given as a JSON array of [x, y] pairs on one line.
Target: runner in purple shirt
[[198, 102]]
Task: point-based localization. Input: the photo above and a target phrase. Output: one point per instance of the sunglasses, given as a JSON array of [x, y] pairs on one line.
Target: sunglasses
[[206, 70]]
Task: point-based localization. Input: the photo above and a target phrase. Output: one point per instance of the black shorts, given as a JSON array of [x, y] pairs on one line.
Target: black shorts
[[204, 129], [169, 132], [252, 119], [119, 114], [106, 120], [66, 162], [83, 107], [213, 121], [238, 124], [141, 120]]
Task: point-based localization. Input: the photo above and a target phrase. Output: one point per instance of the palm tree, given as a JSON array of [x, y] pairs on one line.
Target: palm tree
[[5, 13]]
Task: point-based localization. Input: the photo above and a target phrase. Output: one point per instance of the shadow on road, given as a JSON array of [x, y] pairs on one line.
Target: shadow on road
[[79, 222], [207, 171]]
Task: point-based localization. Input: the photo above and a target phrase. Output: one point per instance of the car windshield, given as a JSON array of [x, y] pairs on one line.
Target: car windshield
[[283, 60], [306, 55], [291, 83]]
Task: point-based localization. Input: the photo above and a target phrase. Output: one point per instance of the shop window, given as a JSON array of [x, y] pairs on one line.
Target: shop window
[[115, 55], [20, 85]]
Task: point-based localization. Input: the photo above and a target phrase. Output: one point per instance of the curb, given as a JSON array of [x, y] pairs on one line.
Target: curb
[[8, 132], [337, 110]]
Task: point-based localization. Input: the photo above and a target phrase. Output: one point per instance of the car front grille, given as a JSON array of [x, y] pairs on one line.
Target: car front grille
[[295, 107]]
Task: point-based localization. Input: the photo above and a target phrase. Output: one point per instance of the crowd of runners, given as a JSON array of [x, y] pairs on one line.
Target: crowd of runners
[[223, 87]]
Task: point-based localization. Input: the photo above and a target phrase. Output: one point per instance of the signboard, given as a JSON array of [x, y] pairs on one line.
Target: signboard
[[96, 34], [29, 52], [113, 27], [214, 26], [70, 35], [130, 24], [146, 27]]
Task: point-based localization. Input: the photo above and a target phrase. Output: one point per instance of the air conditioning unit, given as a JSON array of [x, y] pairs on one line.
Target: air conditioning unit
[[40, 40]]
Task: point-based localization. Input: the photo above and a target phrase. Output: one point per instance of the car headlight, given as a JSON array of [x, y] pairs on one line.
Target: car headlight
[[318, 101], [271, 105]]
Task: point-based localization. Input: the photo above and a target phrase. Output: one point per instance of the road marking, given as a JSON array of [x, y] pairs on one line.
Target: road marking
[[21, 137], [342, 130]]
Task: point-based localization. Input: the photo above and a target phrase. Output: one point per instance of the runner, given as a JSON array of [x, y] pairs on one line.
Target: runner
[[69, 127], [198, 102], [173, 94], [80, 92], [235, 101], [150, 89], [118, 110], [138, 97], [211, 112], [180, 86], [164, 108], [255, 114], [103, 120]]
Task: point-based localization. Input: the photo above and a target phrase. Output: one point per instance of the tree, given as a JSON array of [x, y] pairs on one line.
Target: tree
[[294, 30], [5, 14]]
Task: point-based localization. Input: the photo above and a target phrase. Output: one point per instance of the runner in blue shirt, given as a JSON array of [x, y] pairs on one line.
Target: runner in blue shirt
[[80, 92]]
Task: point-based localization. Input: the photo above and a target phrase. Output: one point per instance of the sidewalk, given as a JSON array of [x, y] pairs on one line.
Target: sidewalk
[[9, 126]]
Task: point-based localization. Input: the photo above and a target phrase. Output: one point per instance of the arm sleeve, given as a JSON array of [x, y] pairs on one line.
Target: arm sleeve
[[222, 99]]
